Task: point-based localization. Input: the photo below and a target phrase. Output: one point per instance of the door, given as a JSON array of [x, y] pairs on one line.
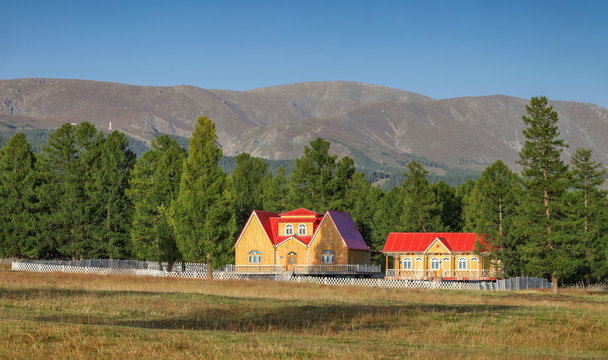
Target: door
[[435, 267], [292, 259]]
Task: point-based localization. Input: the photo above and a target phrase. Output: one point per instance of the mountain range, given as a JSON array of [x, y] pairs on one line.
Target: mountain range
[[376, 125]]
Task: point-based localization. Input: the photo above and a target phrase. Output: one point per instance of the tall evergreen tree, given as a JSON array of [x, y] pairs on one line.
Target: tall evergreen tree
[[275, 193], [311, 184], [548, 247], [18, 209], [249, 178], [153, 185], [451, 207], [421, 210], [590, 207], [361, 200], [490, 210], [112, 208], [203, 215], [61, 195]]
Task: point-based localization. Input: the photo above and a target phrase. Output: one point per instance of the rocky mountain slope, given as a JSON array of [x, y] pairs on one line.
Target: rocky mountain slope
[[374, 122]]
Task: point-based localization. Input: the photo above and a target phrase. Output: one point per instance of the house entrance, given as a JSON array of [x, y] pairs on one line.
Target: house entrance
[[292, 259]]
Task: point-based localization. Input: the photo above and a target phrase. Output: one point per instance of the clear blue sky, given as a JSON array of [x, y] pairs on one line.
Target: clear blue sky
[[441, 49]]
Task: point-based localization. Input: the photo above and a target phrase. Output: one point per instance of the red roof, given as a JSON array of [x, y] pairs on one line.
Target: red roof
[[300, 212], [419, 242], [344, 224]]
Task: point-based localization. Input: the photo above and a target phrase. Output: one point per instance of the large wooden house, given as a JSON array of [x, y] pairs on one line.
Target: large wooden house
[[433, 256], [302, 242]]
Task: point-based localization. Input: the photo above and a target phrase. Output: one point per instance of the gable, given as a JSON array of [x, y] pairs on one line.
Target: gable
[[261, 219], [345, 228], [438, 246]]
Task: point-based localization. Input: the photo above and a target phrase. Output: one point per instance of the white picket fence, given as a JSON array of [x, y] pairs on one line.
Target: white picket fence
[[198, 271]]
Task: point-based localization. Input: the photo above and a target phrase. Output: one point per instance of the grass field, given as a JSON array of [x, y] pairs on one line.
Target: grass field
[[85, 316]]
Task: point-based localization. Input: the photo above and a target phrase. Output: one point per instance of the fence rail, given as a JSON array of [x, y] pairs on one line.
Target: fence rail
[[199, 271], [271, 269], [336, 269], [482, 274]]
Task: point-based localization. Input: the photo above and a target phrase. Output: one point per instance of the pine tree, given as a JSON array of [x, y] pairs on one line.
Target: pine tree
[[249, 178], [451, 207], [590, 206], [311, 184], [18, 181], [490, 210], [153, 185], [548, 248], [111, 231], [421, 210], [203, 215], [61, 194], [275, 193], [361, 200]]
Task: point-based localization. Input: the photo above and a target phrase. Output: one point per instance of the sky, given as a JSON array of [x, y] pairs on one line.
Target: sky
[[441, 49]]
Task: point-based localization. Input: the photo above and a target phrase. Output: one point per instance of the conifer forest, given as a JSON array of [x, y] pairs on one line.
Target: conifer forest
[[86, 194]]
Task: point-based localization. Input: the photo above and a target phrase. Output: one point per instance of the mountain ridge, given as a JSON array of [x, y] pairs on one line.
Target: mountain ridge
[[277, 122]]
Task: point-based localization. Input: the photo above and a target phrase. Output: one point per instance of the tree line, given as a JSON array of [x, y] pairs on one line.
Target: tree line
[[86, 195]]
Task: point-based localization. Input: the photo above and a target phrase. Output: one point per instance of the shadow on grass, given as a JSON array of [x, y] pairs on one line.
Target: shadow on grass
[[249, 314]]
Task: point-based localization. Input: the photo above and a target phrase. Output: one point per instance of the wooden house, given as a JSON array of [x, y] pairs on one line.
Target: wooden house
[[303, 242], [445, 256]]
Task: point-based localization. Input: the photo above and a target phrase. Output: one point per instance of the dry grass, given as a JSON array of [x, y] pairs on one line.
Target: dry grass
[[87, 316]]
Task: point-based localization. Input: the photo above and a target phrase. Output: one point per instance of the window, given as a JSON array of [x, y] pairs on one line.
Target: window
[[288, 229], [435, 264], [328, 257], [407, 264], [462, 263], [301, 229], [255, 257]]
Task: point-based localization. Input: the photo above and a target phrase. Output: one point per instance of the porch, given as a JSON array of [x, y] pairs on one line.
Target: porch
[[331, 270], [448, 275]]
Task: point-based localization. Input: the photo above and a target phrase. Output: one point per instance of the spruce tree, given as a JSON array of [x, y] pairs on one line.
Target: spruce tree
[[548, 248], [113, 210], [275, 193], [490, 209], [589, 205], [451, 207], [18, 209], [203, 215], [153, 185], [311, 184], [249, 178], [421, 210]]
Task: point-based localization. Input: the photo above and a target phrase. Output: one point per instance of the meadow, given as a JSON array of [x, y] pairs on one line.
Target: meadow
[[55, 315]]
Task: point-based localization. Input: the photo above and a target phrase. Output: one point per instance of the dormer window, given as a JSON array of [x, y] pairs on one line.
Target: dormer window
[[301, 229], [288, 229]]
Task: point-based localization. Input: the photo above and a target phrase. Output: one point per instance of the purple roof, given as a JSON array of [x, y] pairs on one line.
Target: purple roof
[[348, 230]]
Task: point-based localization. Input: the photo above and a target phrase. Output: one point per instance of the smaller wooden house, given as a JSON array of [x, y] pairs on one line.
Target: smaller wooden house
[[445, 256], [303, 242]]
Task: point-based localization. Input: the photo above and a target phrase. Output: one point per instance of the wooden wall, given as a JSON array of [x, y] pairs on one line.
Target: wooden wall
[[254, 238]]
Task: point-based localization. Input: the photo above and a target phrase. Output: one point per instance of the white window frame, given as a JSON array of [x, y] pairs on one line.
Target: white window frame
[[435, 264], [328, 257], [288, 229], [300, 227], [461, 261], [255, 257], [407, 261]]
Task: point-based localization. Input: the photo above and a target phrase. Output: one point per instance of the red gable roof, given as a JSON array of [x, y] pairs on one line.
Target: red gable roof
[[419, 242]]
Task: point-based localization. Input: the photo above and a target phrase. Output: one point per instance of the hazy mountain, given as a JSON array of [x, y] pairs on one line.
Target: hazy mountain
[[375, 123]]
